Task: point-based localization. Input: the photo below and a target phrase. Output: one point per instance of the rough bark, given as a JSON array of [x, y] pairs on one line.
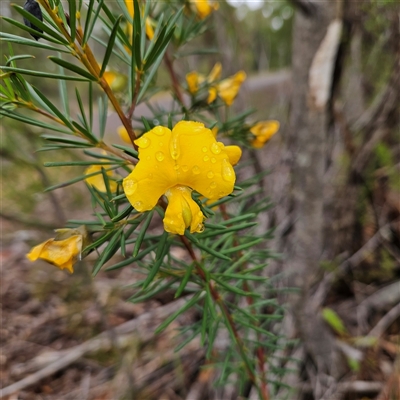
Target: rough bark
[[314, 55]]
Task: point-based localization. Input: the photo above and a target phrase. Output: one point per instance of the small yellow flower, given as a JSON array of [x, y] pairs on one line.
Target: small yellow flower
[[97, 181], [123, 134], [215, 73], [149, 27], [227, 89], [115, 80], [64, 250], [263, 131], [204, 7], [176, 162], [192, 80]]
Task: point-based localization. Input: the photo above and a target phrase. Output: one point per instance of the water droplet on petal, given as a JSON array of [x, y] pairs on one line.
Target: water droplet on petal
[[213, 160], [185, 168], [213, 185], [228, 174], [221, 194], [200, 228], [130, 186], [174, 148], [210, 174], [143, 142], [161, 144], [215, 148], [176, 167], [138, 205], [206, 158], [159, 130], [160, 155], [204, 149], [196, 170]]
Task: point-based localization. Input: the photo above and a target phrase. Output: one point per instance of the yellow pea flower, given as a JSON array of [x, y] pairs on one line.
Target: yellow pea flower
[[115, 80], [64, 250], [227, 89], [97, 181], [194, 79], [176, 162], [204, 7], [263, 131], [123, 134], [215, 73], [149, 27]]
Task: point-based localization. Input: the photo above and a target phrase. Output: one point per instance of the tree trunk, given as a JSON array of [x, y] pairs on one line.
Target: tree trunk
[[315, 43]]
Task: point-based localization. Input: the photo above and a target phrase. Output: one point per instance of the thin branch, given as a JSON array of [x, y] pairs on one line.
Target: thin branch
[[174, 79], [135, 96], [259, 352], [217, 298]]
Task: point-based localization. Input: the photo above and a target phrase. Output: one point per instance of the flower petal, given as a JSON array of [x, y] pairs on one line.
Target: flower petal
[[215, 73], [204, 7], [234, 153], [123, 134], [212, 94], [97, 181], [229, 88], [192, 79], [182, 211], [202, 163], [155, 171], [61, 253], [263, 131]]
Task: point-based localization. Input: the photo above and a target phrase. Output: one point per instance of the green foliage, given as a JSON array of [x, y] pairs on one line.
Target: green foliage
[[335, 322]]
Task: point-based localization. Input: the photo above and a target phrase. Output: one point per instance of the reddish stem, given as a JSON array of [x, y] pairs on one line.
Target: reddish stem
[[174, 79], [259, 350]]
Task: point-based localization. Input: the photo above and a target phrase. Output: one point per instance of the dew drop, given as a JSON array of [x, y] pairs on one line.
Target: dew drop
[[213, 185], [196, 170], [204, 149], [227, 171], [210, 174], [176, 167], [206, 158], [143, 142], [160, 155], [138, 205], [174, 148], [185, 168], [130, 187], [161, 144], [215, 148], [213, 160], [159, 130]]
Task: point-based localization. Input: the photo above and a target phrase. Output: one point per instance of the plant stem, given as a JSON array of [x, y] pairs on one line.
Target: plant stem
[[135, 96], [259, 350], [89, 61], [227, 315], [174, 79]]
